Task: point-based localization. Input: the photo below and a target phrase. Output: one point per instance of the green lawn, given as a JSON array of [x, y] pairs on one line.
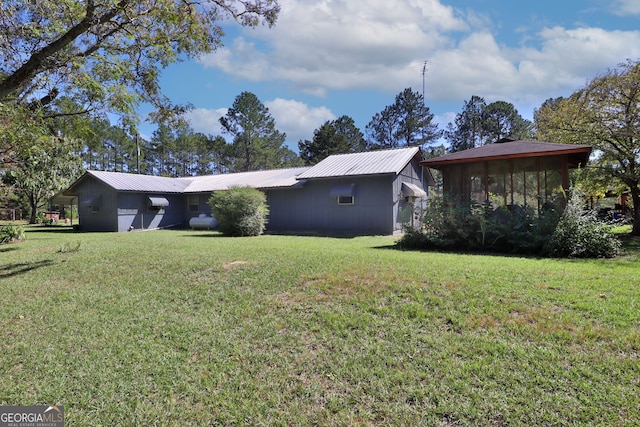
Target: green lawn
[[190, 328]]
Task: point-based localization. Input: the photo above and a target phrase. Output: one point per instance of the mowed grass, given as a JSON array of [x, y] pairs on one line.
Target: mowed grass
[[191, 328]]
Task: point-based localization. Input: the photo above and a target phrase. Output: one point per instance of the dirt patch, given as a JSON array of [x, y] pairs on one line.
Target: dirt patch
[[229, 265]]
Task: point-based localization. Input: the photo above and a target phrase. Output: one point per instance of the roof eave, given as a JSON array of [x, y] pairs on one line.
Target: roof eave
[[582, 151]]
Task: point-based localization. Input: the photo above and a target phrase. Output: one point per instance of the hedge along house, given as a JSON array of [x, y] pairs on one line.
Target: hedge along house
[[510, 173], [359, 193]]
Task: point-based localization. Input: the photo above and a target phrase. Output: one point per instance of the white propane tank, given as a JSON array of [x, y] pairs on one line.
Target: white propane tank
[[203, 222]]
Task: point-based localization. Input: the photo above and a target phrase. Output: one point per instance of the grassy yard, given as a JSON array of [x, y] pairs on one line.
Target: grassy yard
[[190, 328]]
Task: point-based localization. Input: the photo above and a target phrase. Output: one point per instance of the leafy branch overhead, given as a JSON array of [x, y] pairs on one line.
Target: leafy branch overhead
[[606, 115], [105, 54]]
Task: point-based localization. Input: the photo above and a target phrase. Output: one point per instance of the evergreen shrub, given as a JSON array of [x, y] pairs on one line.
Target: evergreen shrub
[[240, 211]]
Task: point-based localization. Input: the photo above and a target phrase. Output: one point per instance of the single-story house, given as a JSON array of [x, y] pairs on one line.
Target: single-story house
[[358, 193], [509, 172]]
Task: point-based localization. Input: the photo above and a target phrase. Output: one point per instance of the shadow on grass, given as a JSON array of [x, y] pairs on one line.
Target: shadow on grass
[[211, 233], [204, 233], [630, 243], [11, 270], [487, 253], [8, 249], [53, 229], [629, 253]]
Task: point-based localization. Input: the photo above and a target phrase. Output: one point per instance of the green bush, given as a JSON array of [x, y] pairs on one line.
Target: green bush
[[11, 233], [240, 211], [580, 234], [453, 225]]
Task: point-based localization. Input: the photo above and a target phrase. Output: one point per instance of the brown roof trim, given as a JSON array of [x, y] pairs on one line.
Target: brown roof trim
[[510, 150]]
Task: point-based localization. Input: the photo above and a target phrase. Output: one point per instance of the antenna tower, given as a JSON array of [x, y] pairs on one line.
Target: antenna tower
[[424, 73]]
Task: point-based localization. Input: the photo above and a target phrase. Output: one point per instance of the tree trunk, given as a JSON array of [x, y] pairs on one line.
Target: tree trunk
[[635, 196], [34, 212]]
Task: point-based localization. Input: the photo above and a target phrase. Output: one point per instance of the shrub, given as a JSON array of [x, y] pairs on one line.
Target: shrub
[[11, 233], [240, 211], [572, 232], [580, 234], [451, 224], [414, 239]]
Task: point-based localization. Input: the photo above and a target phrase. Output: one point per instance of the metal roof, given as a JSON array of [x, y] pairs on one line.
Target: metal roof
[[365, 163], [275, 178], [133, 182], [511, 149], [340, 165]]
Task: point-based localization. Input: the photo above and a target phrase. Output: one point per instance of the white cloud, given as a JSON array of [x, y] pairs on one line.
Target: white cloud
[[297, 119], [323, 45], [206, 121], [294, 118], [563, 62], [341, 44], [626, 7]]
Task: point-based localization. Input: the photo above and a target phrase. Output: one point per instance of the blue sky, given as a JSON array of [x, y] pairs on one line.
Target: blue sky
[[327, 58]]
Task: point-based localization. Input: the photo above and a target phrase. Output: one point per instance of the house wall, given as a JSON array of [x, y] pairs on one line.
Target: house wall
[[97, 214], [196, 204], [135, 210], [378, 201], [413, 173], [312, 208]]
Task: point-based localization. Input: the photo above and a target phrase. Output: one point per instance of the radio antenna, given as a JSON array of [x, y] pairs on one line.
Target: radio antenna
[[424, 73]]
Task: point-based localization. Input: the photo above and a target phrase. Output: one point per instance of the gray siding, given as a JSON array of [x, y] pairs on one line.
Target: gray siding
[[300, 206], [313, 209], [95, 216], [412, 174], [202, 202], [134, 210]]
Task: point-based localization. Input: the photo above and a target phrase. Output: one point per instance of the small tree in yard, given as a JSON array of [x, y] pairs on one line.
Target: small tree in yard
[[240, 211]]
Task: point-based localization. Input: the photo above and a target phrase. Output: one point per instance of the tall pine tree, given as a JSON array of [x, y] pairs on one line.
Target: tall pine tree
[[257, 144]]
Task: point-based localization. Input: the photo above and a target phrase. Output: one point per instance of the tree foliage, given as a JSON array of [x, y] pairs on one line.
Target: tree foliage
[[405, 123], [41, 170], [606, 115], [66, 63], [257, 144], [468, 131], [108, 54], [333, 137], [480, 123], [179, 151]]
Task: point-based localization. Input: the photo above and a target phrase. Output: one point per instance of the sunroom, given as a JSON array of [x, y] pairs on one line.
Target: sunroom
[[510, 173]]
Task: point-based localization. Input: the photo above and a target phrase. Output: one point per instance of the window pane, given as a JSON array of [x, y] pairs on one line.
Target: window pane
[[499, 181], [476, 175], [525, 183], [551, 178]]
